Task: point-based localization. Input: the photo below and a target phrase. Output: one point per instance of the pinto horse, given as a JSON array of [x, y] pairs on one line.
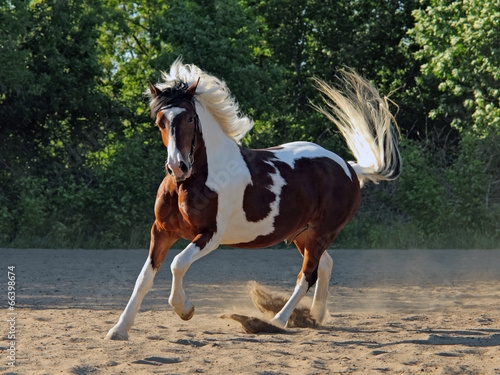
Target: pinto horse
[[217, 192]]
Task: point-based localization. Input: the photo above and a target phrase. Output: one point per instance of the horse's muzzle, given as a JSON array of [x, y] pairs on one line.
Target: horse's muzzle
[[180, 172]]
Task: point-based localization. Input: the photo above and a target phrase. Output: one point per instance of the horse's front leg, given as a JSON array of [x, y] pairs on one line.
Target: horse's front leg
[[202, 245], [160, 243]]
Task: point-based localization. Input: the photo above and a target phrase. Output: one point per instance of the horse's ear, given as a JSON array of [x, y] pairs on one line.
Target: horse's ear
[[155, 91], [192, 89]]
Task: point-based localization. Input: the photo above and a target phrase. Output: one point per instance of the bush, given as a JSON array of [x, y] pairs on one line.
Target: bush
[[448, 203], [113, 209]]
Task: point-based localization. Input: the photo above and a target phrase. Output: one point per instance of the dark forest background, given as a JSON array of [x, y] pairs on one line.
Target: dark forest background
[[80, 158]]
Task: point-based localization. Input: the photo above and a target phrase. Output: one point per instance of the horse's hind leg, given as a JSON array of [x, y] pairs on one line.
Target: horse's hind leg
[[312, 248], [160, 243], [318, 309]]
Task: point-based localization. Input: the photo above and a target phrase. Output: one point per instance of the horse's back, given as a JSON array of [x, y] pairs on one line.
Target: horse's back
[[293, 151]]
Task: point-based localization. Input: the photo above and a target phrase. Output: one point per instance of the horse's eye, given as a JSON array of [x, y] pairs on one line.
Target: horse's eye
[[190, 119]]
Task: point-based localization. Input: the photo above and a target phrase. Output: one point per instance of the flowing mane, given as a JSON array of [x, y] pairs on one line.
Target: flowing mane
[[213, 94]]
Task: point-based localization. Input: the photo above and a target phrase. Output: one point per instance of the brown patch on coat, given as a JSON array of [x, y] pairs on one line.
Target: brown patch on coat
[[258, 197]]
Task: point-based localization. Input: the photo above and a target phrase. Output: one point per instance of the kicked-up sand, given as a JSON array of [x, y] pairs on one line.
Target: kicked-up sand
[[390, 312]]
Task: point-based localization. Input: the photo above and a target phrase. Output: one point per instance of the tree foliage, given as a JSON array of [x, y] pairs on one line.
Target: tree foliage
[[53, 110], [81, 159], [461, 48]]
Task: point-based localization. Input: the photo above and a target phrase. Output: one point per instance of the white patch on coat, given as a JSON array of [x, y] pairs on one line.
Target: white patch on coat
[[293, 151], [241, 230], [228, 176], [171, 112], [174, 155]]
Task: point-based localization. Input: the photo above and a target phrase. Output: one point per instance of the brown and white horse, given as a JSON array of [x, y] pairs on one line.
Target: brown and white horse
[[217, 192]]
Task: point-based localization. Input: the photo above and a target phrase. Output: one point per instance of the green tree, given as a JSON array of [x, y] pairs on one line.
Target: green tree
[[308, 38], [59, 115], [54, 113], [460, 45], [14, 23], [222, 38]]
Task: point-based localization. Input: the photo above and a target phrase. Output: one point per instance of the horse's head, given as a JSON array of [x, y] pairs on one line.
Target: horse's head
[[175, 113]]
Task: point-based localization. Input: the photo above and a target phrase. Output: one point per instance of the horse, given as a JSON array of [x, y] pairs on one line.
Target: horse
[[218, 192]]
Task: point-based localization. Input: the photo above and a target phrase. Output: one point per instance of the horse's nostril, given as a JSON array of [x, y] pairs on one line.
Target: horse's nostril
[[169, 171], [183, 167]]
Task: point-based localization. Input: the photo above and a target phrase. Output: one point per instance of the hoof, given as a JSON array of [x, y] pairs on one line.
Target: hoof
[[278, 323], [113, 335], [317, 316], [186, 315]]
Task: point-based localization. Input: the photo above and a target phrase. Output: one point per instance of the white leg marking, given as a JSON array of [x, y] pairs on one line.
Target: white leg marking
[[181, 263], [300, 291], [183, 307], [142, 285], [318, 309]]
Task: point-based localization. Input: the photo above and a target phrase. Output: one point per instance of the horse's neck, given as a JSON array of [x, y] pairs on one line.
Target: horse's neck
[[220, 148], [217, 142]]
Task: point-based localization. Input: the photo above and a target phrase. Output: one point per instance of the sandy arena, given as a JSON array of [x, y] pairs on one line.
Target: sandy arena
[[391, 312]]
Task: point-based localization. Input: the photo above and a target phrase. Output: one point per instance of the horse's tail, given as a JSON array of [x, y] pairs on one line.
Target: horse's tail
[[365, 121]]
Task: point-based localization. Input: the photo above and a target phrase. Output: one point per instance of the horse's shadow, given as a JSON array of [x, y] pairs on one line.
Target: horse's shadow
[[476, 338]]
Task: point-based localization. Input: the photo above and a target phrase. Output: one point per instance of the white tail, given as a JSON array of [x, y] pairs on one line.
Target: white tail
[[365, 121]]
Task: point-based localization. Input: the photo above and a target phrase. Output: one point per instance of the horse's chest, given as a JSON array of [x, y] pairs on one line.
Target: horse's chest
[[198, 207]]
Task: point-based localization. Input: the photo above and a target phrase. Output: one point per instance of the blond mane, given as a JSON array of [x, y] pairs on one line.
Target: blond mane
[[213, 94]]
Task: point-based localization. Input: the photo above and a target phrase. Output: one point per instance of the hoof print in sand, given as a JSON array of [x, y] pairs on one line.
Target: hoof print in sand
[[253, 325], [271, 305]]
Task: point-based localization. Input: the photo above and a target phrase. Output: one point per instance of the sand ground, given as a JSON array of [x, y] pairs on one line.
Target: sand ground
[[391, 312]]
